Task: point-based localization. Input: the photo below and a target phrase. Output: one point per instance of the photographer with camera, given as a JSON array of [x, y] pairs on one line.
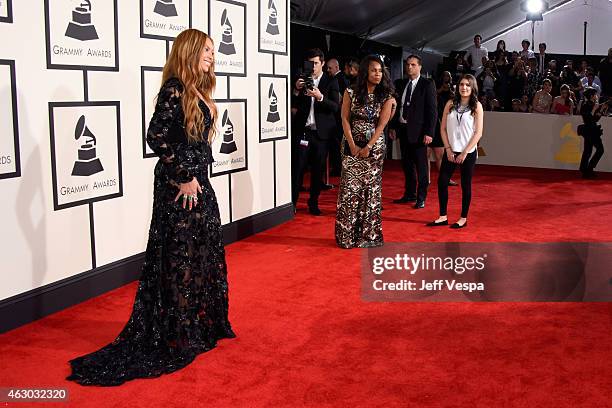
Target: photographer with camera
[[316, 98], [591, 112]]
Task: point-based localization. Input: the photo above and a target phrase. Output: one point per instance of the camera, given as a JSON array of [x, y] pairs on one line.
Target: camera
[[306, 75]]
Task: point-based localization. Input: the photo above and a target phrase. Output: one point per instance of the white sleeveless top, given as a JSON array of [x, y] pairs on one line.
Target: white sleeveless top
[[460, 129]]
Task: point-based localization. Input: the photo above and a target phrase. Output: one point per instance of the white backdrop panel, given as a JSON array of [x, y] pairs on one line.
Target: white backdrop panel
[[47, 245], [537, 140]]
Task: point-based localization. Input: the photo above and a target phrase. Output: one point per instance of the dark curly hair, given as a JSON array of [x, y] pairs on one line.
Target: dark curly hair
[[382, 90]]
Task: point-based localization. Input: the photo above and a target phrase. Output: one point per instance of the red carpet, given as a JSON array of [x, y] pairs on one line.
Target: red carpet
[[305, 338]]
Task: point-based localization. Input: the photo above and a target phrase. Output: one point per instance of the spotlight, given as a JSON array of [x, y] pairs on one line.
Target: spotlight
[[534, 6], [534, 9]]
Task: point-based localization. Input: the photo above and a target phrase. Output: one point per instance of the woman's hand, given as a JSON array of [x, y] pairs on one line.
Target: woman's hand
[[450, 155], [364, 152], [189, 191], [354, 149], [459, 159]]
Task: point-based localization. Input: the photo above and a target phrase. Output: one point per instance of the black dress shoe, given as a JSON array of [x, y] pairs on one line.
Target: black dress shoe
[[419, 204], [314, 210], [404, 200], [437, 224], [457, 226], [327, 186], [452, 183]]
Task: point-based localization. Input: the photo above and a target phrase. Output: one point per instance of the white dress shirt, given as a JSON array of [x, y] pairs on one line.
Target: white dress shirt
[[541, 63], [311, 122], [596, 84], [526, 54], [414, 84], [477, 54]]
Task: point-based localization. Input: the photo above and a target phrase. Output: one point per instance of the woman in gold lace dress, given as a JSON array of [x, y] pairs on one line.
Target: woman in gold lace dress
[[366, 109]]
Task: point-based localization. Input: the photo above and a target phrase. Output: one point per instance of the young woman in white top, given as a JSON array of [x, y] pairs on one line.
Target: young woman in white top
[[461, 130]]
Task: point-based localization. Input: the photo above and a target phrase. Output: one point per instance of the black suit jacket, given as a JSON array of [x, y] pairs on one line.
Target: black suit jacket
[[324, 111], [547, 59], [422, 112], [343, 83]]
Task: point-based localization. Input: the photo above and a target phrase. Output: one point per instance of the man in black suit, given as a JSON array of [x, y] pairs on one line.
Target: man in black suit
[[333, 70], [543, 59], [316, 103], [414, 123]]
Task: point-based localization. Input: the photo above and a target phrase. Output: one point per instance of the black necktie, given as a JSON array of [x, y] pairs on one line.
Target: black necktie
[[407, 101]]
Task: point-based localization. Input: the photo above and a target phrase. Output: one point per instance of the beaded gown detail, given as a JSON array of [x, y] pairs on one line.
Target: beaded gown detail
[[358, 216], [181, 304]]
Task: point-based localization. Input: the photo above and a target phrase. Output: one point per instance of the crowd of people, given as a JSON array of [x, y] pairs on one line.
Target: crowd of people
[[350, 116], [181, 306], [370, 106], [528, 81]]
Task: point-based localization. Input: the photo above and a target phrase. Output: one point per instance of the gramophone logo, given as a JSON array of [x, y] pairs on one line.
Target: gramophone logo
[[82, 34], [87, 162], [273, 115], [165, 8], [272, 96], [81, 28], [272, 25], [228, 145], [272, 19], [569, 152], [227, 44], [85, 168]]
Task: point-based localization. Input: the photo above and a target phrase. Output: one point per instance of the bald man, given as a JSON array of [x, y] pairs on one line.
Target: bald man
[[333, 70], [332, 67]]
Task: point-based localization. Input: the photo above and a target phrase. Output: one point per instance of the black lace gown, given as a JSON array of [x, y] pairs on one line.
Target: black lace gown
[[181, 305]]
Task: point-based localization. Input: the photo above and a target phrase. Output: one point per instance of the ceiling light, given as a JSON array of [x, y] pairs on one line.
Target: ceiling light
[[534, 6]]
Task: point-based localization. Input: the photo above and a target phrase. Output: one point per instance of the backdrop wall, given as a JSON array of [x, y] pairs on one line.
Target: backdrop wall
[[537, 140], [77, 84]]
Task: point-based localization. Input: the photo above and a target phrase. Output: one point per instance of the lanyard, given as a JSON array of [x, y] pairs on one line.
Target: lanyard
[[369, 108], [459, 118], [370, 112]]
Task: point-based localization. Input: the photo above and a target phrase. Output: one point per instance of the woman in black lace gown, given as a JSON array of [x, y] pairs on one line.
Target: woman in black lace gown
[[181, 304]]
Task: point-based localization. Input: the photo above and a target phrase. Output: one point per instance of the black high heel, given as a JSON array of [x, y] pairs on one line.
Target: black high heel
[[457, 226]]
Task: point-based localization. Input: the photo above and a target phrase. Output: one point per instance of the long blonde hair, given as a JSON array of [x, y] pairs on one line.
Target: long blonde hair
[[184, 64]]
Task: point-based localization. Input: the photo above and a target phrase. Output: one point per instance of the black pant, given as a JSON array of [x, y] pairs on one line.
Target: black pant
[[414, 157], [591, 139], [314, 155], [446, 172]]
